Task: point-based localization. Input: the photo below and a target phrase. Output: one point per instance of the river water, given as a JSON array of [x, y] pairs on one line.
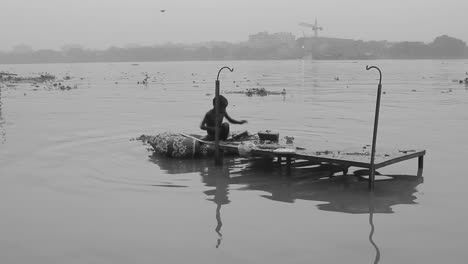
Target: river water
[[76, 188]]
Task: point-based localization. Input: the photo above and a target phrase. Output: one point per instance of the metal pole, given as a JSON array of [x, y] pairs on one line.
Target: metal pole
[[376, 124], [217, 154], [218, 160]]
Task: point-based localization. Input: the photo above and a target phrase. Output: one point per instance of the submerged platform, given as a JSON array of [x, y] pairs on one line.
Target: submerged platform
[[288, 155], [297, 157]]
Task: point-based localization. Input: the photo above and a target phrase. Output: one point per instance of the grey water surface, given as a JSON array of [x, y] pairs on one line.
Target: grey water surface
[[76, 188]]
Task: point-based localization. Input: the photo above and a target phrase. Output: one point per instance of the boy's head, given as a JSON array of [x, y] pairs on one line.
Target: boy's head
[[223, 102]]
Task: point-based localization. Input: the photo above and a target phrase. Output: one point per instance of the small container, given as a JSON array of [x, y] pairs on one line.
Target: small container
[[268, 135]]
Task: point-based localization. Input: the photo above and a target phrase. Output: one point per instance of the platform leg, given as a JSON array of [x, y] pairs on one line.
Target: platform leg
[[420, 165], [345, 170], [278, 160], [288, 165]]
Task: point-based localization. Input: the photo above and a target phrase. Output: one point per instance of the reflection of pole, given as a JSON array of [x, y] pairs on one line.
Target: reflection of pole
[[371, 234], [220, 224], [218, 160], [376, 124], [220, 198], [2, 131]]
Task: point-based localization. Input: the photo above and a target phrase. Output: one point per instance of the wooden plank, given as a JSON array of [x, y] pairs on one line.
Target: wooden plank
[[305, 163], [400, 158], [334, 160], [230, 145], [195, 138], [357, 159]]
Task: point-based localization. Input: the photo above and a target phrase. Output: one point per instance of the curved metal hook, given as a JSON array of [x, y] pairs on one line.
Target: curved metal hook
[[376, 124], [377, 68], [225, 67]]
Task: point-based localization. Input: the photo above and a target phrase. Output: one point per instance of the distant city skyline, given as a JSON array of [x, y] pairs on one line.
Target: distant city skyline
[[99, 24]]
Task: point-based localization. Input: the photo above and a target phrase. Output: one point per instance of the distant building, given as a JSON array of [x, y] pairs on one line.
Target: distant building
[[328, 48], [264, 39]]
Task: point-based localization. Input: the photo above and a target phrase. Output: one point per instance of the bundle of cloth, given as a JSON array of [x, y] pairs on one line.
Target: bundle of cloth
[[180, 145], [177, 145]]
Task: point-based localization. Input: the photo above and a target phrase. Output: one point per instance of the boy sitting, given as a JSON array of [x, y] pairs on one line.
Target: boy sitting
[[208, 122]]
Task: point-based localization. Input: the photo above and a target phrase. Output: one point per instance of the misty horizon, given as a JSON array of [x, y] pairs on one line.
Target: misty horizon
[[26, 46], [53, 24]]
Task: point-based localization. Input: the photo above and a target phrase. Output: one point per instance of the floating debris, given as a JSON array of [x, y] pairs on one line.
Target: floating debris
[[145, 80], [289, 140], [257, 91], [14, 78], [324, 152], [406, 151], [6, 74], [449, 91]]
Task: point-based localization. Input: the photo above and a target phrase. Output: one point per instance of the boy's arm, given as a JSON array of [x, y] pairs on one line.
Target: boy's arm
[[230, 119]]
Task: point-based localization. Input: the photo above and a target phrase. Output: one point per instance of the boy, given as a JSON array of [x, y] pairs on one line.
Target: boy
[[208, 122]]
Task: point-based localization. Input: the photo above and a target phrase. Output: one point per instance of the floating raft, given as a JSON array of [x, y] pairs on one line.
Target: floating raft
[[297, 156], [180, 145], [343, 159]]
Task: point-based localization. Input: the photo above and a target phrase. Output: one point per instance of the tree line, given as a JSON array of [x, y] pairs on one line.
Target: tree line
[[443, 47]]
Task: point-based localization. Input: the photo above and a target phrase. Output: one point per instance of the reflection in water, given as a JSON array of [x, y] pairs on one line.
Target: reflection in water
[[219, 225], [217, 177], [212, 176], [310, 74], [2, 122], [371, 238], [344, 194]]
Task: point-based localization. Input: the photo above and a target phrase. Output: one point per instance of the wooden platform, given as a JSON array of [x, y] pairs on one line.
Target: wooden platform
[[345, 159], [333, 161]]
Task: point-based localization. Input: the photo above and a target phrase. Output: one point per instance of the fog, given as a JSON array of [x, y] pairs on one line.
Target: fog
[[99, 24]]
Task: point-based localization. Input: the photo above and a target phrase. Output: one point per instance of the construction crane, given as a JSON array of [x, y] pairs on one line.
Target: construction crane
[[314, 27]]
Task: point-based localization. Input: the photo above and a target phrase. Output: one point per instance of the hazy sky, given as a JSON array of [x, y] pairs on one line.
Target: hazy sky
[[103, 23]]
